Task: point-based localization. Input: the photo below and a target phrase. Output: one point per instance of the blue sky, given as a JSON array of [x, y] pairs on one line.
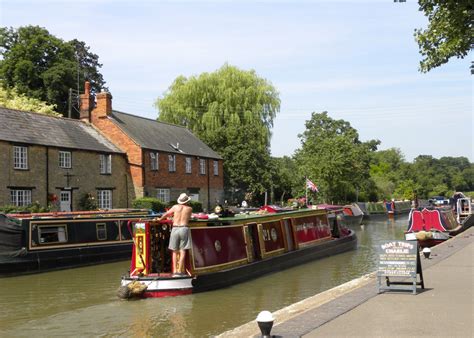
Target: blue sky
[[355, 59]]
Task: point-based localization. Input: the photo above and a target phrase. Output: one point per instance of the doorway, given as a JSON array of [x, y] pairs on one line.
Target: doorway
[[65, 201]]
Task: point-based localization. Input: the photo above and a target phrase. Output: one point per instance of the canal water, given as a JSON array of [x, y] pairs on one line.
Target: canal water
[[83, 302]]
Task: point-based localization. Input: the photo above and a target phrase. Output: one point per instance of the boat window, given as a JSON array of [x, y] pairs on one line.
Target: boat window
[[52, 234], [101, 231]]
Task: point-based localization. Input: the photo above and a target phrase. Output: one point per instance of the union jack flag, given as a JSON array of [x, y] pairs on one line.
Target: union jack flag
[[311, 186]]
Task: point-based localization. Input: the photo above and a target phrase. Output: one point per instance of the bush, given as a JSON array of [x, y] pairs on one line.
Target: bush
[[88, 202], [197, 206], [33, 208], [149, 203]]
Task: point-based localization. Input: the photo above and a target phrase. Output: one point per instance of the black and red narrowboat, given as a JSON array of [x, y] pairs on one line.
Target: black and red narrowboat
[[39, 242], [226, 251]]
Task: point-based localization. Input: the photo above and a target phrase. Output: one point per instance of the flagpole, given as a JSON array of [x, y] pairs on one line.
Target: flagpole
[[306, 190]]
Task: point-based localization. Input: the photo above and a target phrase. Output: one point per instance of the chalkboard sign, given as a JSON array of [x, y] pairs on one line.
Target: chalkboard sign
[[399, 259]]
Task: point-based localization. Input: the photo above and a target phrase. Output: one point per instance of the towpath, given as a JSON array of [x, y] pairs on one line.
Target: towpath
[[355, 309]]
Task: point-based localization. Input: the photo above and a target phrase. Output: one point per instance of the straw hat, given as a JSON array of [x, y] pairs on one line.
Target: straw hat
[[183, 198]]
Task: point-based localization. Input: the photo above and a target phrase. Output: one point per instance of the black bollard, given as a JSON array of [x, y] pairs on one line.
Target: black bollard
[[265, 323]]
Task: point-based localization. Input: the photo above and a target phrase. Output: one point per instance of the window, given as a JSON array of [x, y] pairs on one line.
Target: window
[[20, 197], [202, 167], [216, 168], [163, 195], [101, 231], [104, 199], [188, 165], [20, 157], [52, 234], [154, 157], [65, 159], [171, 163], [105, 164]]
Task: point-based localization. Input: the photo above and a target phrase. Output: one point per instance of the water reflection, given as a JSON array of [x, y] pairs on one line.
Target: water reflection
[[83, 301]]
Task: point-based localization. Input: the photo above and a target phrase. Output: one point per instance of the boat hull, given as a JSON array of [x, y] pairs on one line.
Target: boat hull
[[36, 262]]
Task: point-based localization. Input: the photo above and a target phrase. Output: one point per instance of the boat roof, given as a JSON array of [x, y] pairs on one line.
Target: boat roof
[[263, 215], [81, 214]]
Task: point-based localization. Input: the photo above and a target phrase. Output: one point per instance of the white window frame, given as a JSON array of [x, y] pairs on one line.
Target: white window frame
[[59, 230], [20, 197], [189, 165], [65, 159], [216, 168], [163, 194], [154, 161], [202, 166], [105, 163], [20, 157], [104, 198], [172, 163]]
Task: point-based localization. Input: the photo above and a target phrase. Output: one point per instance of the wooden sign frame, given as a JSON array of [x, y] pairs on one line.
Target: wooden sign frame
[[399, 259]]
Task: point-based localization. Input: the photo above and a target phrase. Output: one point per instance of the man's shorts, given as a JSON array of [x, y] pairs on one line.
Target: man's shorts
[[180, 239]]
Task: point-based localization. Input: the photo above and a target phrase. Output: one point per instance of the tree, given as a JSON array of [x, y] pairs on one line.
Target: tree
[[232, 111], [449, 31], [283, 179], [385, 171], [9, 98], [44, 67], [333, 157]]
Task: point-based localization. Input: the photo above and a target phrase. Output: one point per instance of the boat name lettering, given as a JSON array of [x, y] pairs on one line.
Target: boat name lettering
[[270, 235], [304, 226]]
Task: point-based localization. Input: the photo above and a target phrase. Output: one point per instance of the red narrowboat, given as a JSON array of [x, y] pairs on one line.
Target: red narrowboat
[[226, 251]]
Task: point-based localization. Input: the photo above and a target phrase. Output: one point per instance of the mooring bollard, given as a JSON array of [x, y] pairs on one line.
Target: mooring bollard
[[265, 323]]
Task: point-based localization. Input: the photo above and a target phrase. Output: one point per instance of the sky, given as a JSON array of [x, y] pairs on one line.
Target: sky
[[357, 60]]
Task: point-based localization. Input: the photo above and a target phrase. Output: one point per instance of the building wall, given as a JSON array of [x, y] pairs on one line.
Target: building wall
[[44, 176], [100, 120], [209, 186]]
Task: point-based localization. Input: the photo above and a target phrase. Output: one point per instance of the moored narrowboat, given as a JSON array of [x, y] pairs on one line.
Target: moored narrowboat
[[226, 251], [32, 243], [434, 225]]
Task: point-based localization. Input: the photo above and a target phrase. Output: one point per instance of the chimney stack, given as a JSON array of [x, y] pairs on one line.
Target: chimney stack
[[87, 103], [103, 104]]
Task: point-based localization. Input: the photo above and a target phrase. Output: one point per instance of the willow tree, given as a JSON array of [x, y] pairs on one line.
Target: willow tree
[[333, 157], [232, 111]]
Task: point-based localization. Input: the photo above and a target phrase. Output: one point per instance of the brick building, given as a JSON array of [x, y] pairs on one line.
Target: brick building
[[49, 159], [164, 159]]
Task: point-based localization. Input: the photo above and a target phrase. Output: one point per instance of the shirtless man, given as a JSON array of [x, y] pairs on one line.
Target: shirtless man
[[179, 239]]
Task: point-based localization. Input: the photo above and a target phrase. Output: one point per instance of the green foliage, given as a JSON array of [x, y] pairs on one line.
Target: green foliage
[[406, 190], [195, 205], [33, 208], [449, 32], [232, 111], [283, 178], [44, 67], [333, 157], [149, 203], [10, 98], [88, 202]]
